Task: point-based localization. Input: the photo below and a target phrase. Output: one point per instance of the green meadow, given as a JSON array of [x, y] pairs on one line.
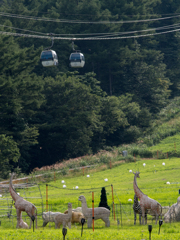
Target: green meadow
[[49, 194], [169, 144]]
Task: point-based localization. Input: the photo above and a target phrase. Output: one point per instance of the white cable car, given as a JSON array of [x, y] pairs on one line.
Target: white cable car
[[77, 60], [49, 57]]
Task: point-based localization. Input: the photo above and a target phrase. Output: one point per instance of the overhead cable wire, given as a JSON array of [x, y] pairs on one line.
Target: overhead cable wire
[[20, 29], [87, 38], [83, 22], [100, 34], [92, 15]]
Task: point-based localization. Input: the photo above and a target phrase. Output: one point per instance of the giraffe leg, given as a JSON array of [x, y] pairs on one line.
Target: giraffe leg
[[36, 220], [140, 218], [143, 215], [18, 217]]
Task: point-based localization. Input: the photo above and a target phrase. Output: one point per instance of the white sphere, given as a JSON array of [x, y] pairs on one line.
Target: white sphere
[[129, 200], [88, 176], [168, 183], [18, 193], [0, 195], [130, 170], [62, 181], [77, 187], [64, 186], [144, 164], [163, 163], [105, 179]]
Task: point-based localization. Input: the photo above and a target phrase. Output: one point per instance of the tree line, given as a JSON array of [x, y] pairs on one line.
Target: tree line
[[53, 114]]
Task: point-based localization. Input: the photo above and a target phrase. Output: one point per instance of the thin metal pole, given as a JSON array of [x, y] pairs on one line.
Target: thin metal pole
[[46, 197], [93, 209], [113, 201], [121, 214]]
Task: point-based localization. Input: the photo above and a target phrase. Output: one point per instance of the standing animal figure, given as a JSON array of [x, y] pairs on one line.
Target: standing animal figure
[[173, 214], [22, 205], [146, 203], [64, 219], [137, 210], [76, 216], [49, 217], [99, 213]]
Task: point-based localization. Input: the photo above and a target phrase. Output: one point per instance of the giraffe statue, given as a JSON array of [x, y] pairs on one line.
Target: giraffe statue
[[22, 205], [146, 203]]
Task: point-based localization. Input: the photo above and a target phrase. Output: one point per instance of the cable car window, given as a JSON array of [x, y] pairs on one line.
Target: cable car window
[[75, 56], [46, 55]]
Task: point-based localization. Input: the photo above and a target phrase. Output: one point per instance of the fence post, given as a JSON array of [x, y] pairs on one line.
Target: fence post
[[113, 201], [46, 197], [93, 209], [54, 176], [110, 164], [121, 214], [27, 183]]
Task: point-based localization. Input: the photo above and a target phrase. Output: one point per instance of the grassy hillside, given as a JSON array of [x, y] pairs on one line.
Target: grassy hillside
[[153, 182]]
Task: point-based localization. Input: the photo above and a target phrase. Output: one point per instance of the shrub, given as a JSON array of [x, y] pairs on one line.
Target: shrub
[[104, 159]]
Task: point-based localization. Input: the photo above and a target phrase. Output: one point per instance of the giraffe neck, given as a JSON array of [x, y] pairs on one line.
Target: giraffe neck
[[137, 191], [13, 193]]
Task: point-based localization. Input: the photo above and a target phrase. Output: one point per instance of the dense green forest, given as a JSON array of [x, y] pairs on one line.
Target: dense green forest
[[53, 114]]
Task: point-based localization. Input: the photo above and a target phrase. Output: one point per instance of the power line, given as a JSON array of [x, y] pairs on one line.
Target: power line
[[100, 34], [87, 38], [83, 22], [93, 15]]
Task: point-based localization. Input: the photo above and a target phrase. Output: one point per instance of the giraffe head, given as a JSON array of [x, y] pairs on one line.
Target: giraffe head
[[136, 174]]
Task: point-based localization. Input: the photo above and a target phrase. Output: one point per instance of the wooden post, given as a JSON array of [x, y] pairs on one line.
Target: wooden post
[[54, 176], [93, 210], [27, 183], [110, 164], [46, 197], [113, 201]]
